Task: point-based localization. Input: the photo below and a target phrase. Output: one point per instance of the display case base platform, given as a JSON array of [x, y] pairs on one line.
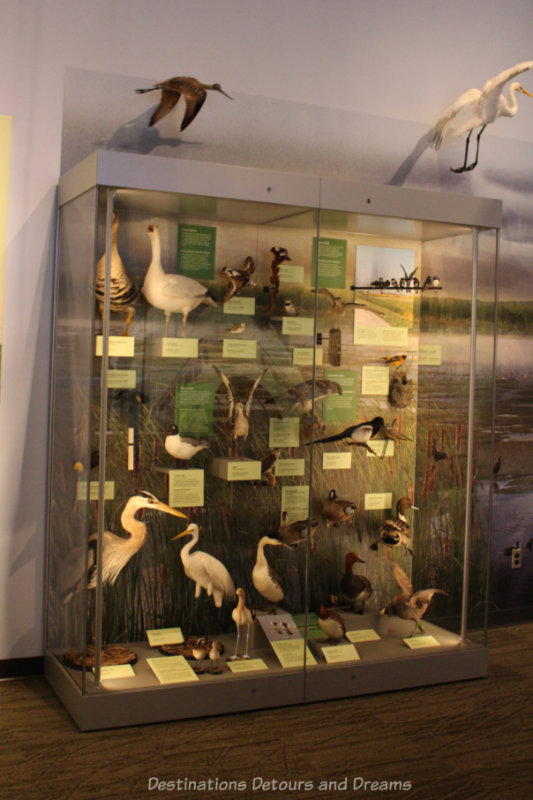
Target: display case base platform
[[384, 665]]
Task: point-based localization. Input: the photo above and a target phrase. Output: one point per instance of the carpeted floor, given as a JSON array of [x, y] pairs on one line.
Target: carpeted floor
[[467, 741]]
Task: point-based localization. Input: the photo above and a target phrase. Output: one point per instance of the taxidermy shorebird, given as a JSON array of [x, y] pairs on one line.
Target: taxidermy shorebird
[[335, 510], [183, 448], [268, 464], [409, 604], [355, 588], [266, 581], [194, 92], [236, 280], [358, 435], [477, 108], [331, 623], [279, 255], [205, 570], [243, 618], [238, 411], [338, 306], [395, 532], [216, 650], [170, 292], [294, 533], [117, 550], [124, 294], [290, 308]]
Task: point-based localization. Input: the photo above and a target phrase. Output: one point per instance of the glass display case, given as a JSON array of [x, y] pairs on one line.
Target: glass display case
[[270, 449]]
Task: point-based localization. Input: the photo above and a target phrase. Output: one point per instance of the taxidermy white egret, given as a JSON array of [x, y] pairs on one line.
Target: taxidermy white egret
[[205, 570], [117, 550], [483, 106], [170, 292]]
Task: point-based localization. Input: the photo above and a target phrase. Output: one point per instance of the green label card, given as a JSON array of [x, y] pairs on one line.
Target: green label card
[[343, 406], [284, 432], [196, 251], [331, 262], [186, 488], [295, 500], [194, 408], [375, 380], [239, 348]]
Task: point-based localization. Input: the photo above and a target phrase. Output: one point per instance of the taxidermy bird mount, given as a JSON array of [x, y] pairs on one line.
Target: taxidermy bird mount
[[477, 108], [409, 604], [279, 255], [123, 293], [238, 410], [194, 92]]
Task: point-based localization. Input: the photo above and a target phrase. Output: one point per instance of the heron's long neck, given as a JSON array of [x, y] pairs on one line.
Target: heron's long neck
[[186, 549], [135, 528]]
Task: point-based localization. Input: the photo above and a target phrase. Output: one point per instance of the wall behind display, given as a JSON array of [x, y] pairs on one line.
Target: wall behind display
[[344, 88]]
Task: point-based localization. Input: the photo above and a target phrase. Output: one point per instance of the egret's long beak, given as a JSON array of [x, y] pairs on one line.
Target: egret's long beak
[[168, 510], [521, 89], [183, 533]]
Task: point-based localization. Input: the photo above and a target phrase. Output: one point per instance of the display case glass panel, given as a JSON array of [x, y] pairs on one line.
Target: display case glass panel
[[261, 435]]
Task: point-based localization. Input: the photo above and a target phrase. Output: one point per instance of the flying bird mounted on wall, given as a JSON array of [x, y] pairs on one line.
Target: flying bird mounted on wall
[[193, 91], [477, 108]]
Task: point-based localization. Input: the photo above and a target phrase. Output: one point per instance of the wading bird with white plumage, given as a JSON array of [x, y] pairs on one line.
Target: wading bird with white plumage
[[482, 106], [205, 570]]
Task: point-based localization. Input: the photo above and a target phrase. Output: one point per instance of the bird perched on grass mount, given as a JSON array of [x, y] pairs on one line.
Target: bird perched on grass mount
[[238, 411], [117, 550], [337, 305], [235, 280], [279, 255], [123, 293], [194, 92], [243, 618], [336, 510], [183, 448], [396, 532], [355, 588], [477, 108], [170, 292], [205, 570], [266, 581], [268, 464], [331, 623], [358, 435], [409, 604]]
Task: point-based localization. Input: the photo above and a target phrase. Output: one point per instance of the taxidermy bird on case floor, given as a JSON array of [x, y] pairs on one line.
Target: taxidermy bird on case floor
[[477, 108], [206, 571], [123, 293], [170, 292], [409, 604], [355, 588], [194, 92]]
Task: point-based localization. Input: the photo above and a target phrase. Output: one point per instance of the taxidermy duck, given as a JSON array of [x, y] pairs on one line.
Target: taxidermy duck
[[124, 294], [170, 292], [183, 448], [266, 581], [194, 92], [331, 623], [294, 533], [205, 570], [395, 532], [238, 411], [335, 510], [355, 588], [409, 604]]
